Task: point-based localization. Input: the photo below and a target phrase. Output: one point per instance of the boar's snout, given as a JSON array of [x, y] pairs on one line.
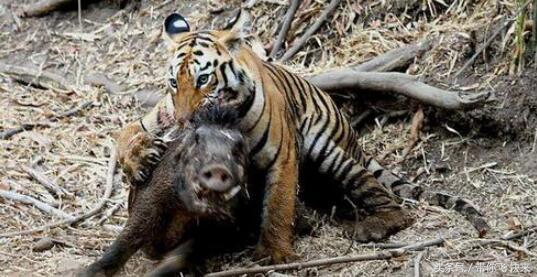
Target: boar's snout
[[216, 178]]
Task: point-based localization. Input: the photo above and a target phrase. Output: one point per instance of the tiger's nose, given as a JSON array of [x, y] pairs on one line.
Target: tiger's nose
[[216, 178]]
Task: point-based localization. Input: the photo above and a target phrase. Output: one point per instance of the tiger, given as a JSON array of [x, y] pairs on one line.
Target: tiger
[[288, 123]]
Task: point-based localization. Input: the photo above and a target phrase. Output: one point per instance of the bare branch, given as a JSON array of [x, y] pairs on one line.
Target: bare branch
[[310, 31], [46, 182], [285, 27], [394, 59], [382, 255], [397, 83]]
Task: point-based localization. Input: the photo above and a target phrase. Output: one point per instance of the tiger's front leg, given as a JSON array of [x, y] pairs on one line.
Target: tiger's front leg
[[277, 229]]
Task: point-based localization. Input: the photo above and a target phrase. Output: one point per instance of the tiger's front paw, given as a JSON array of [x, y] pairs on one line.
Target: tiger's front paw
[[276, 255], [140, 157]]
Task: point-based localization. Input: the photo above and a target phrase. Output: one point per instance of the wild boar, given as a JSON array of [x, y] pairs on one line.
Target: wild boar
[[198, 184]]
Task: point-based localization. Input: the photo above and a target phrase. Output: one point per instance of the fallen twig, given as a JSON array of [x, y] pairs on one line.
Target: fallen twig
[[29, 126], [24, 127], [75, 110], [398, 83], [109, 213], [31, 75], [385, 245], [11, 195], [487, 165], [356, 122], [289, 15], [106, 196], [520, 234], [43, 180], [507, 244], [310, 31], [410, 246], [382, 255]]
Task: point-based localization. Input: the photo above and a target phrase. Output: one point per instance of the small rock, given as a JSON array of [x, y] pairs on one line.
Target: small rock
[[43, 244]]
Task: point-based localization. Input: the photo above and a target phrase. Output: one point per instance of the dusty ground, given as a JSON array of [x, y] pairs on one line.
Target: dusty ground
[[488, 155]]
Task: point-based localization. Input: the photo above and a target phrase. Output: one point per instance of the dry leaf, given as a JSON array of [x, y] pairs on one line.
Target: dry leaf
[[513, 223], [43, 244]]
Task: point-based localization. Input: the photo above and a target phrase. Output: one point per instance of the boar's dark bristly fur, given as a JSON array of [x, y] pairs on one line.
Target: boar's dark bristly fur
[[199, 183]]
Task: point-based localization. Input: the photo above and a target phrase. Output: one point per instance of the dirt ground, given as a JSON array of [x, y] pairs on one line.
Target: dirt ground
[[488, 154]]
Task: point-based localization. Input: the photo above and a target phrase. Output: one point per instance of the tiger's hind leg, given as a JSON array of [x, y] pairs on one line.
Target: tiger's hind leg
[[384, 215]]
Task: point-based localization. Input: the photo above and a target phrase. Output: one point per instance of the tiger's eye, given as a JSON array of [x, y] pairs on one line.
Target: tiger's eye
[[173, 83], [203, 79]]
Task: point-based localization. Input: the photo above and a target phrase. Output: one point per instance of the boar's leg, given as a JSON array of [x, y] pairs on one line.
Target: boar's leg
[[175, 261], [144, 221], [128, 242]]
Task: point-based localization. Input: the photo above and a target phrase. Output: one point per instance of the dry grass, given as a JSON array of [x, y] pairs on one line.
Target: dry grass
[[125, 45]]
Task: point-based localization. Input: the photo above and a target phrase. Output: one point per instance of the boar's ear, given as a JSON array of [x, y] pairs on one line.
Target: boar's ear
[[174, 26]]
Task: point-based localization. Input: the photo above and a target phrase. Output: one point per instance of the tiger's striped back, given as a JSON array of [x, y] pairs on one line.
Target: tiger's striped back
[[317, 113]]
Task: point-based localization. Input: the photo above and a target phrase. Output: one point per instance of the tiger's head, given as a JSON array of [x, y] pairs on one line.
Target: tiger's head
[[208, 67]]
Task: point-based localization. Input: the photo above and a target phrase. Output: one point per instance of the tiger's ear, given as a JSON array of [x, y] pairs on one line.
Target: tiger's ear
[[241, 22], [237, 30], [174, 25]]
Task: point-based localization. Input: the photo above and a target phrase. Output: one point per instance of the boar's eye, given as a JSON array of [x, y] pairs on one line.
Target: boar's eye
[[239, 150]]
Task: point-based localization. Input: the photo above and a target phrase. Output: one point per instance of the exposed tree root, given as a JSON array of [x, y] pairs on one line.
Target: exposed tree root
[[397, 83], [43, 7], [31, 75]]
